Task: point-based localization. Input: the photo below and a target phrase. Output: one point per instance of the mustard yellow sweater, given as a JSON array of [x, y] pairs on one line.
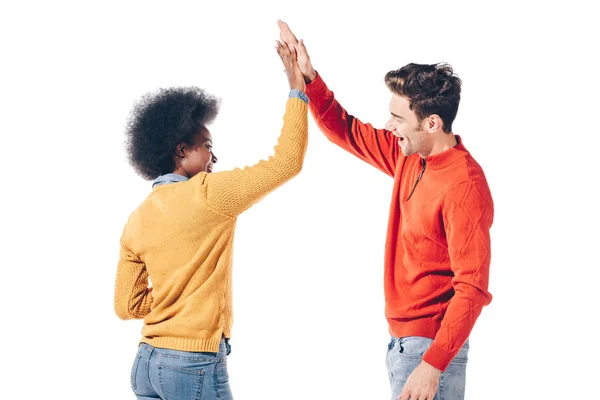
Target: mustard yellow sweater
[[181, 237]]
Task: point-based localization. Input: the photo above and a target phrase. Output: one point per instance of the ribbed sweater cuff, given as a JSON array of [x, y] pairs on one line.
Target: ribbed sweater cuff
[[315, 86], [437, 357], [296, 104]]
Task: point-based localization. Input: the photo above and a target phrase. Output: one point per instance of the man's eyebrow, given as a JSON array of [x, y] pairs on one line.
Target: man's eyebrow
[[397, 116]]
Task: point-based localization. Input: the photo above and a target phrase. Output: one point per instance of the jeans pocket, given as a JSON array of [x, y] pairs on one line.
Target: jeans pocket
[[453, 379], [180, 383], [413, 347], [391, 343], [134, 371], [462, 356], [222, 382]]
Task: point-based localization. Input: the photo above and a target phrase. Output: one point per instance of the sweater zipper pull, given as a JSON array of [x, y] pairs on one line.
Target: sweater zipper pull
[[423, 165]]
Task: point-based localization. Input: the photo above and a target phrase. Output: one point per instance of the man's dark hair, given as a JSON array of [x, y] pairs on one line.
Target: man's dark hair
[[162, 120], [430, 89]]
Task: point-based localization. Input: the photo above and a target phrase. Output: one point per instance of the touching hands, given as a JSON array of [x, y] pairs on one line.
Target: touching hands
[[287, 37], [289, 60]]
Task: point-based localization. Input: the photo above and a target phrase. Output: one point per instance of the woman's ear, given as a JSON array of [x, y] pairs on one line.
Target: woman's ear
[[180, 150]]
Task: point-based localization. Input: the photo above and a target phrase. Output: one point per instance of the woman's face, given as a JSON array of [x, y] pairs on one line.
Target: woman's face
[[199, 157]]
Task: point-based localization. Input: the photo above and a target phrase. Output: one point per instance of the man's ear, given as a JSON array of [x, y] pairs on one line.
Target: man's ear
[[433, 123]]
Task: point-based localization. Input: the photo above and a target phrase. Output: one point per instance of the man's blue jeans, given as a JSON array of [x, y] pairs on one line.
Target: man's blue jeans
[[405, 354]]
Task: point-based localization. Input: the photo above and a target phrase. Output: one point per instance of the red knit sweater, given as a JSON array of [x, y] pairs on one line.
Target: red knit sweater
[[437, 252]]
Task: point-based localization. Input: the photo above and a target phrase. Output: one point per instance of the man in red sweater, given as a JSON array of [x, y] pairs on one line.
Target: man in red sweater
[[437, 253]]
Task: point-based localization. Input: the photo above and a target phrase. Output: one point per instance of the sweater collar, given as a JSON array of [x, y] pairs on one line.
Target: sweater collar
[[447, 157]]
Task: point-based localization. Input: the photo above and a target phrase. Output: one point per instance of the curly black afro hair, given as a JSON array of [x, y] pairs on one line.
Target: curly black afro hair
[[160, 121]]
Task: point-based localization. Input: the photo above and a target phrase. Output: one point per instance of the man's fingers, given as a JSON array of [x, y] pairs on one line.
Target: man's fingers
[[409, 395], [301, 49], [285, 29], [285, 39], [301, 45], [286, 34]]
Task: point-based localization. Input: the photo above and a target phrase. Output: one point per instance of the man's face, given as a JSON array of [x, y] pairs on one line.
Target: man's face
[[404, 124]]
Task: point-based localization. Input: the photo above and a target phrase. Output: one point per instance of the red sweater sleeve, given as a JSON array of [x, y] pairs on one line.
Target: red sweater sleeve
[[467, 220], [378, 147]]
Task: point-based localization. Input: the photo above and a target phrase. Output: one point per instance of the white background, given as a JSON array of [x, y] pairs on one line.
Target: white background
[[308, 286]]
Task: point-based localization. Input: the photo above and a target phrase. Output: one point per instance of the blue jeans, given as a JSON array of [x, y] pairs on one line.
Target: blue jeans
[[180, 375], [405, 354]]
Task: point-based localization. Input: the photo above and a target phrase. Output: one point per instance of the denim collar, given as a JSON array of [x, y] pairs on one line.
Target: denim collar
[[168, 178]]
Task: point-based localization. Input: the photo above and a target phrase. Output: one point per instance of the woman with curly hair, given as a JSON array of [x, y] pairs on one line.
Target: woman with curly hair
[[181, 236]]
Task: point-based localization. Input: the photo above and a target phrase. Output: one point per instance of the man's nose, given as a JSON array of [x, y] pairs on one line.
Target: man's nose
[[389, 126]]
